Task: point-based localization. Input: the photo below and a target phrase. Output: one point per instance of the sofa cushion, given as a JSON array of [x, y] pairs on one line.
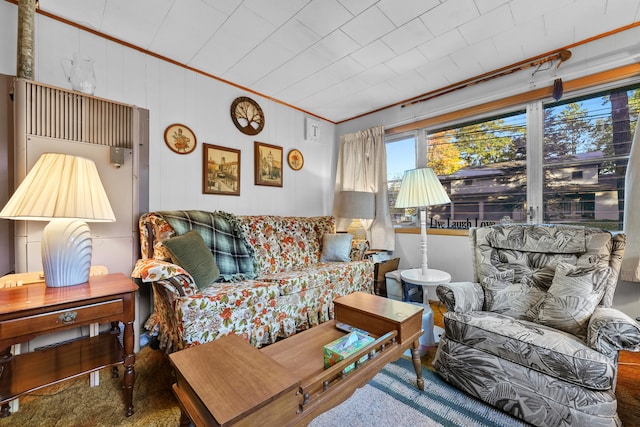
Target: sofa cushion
[[189, 251], [573, 296], [534, 346], [336, 247], [539, 238]]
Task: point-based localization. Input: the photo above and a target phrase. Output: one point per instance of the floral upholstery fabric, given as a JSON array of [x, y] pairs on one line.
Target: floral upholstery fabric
[[555, 363], [292, 290]]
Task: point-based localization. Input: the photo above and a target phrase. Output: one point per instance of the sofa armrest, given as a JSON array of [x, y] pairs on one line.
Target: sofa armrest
[[171, 276], [611, 330], [461, 297], [358, 249]]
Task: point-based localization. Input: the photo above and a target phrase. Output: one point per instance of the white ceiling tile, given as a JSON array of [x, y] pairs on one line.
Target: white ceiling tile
[[266, 58], [400, 15], [294, 36], [486, 6], [334, 46], [181, 42], [525, 10], [377, 74], [449, 15], [407, 61], [356, 6], [324, 17], [368, 26], [410, 35], [374, 53], [226, 6], [443, 45], [478, 53], [495, 22], [277, 12], [136, 25], [438, 68]]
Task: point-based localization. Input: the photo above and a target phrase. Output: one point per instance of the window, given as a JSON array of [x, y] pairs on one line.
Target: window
[[482, 166], [401, 156], [582, 145], [587, 142]]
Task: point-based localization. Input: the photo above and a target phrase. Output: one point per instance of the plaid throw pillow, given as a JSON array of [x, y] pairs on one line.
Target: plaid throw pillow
[[222, 234]]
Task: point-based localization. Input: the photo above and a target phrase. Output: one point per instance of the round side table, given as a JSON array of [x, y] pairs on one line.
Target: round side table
[[429, 282]]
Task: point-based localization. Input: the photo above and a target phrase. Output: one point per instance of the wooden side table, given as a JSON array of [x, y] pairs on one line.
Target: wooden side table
[[31, 310]]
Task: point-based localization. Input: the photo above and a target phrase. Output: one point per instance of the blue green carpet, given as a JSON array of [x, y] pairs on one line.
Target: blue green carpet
[[391, 398]]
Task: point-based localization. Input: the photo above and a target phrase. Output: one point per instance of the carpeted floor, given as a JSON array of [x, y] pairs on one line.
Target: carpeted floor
[[74, 403]]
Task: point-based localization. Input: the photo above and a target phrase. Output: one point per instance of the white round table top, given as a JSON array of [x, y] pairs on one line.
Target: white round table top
[[433, 277]]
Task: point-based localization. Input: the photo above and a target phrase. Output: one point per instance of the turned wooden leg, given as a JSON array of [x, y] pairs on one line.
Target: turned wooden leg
[[129, 372], [5, 357], [417, 364]]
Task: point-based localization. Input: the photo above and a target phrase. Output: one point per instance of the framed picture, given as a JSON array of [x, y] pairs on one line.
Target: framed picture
[[295, 159], [268, 164], [220, 170], [180, 138]]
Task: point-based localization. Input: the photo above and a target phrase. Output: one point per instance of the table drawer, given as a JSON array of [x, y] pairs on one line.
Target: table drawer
[[81, 315]]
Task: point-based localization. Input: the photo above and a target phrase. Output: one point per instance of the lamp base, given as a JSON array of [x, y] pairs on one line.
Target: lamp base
[[66, 252]]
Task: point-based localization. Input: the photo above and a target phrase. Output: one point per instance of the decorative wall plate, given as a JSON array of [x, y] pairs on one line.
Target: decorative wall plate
[[247, 115], [180, 138], [295, 160]]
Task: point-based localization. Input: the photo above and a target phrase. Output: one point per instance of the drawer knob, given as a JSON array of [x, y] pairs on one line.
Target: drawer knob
[[68, 317]]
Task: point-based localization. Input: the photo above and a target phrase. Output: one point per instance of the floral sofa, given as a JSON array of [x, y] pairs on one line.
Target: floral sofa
[[535, 334], [271, 281]]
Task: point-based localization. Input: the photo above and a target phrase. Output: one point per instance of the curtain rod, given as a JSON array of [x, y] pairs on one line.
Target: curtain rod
[[559, 55]]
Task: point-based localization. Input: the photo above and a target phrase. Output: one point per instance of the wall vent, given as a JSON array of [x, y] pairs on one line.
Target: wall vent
[[58, 113]]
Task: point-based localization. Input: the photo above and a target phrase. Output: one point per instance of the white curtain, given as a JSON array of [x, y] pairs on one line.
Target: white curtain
[[362, 166], [630, 270]]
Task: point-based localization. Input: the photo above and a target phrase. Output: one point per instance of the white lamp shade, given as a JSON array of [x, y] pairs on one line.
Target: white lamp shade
[[356, 205], [421, 187], [60, 186], [67, 191]]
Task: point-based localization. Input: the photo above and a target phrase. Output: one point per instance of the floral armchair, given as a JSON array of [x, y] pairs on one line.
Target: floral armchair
[[535, 335]]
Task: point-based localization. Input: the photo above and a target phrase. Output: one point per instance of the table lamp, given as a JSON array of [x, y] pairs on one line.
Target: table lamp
[[421, 188], [67, 191], [356, 205]]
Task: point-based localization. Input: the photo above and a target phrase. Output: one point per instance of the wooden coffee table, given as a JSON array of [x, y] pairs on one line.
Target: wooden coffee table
[[229, 382]]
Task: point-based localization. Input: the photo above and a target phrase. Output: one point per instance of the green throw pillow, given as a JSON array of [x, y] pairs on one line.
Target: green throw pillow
[[190, 252], [336, 247]]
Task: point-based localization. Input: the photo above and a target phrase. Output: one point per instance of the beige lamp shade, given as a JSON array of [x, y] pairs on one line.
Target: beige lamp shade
[[421, 187], [60, 186], [356, 204], [67, 191]]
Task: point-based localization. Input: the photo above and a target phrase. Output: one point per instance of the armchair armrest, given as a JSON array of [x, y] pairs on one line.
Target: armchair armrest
[[611, 330], [461, 297]]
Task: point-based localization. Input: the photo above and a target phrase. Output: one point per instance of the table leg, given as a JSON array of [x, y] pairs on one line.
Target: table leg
[[129, 372], [417, 365]]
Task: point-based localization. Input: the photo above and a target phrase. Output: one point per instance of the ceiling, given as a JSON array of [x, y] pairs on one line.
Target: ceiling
[[338, 59]]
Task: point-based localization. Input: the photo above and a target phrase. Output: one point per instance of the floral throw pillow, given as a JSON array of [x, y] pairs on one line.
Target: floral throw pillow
[[573, 296]]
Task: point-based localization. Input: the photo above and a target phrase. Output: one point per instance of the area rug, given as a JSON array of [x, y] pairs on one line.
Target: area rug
[[392, 399]]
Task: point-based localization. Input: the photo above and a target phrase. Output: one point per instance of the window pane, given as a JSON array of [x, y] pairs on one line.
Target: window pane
[[482, 166], [401, 156], [586, 150]]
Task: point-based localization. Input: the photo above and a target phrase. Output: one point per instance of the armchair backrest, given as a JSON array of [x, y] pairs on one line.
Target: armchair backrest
[[533, 250]]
